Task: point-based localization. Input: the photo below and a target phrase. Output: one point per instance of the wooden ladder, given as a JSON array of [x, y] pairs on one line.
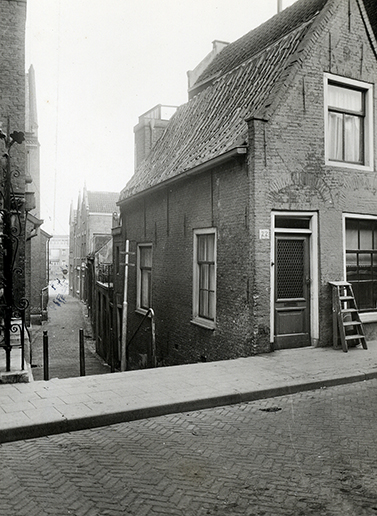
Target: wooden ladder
[[346, 318]]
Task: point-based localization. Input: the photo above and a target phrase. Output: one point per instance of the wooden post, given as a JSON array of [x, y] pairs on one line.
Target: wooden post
[[82, 353], [123, 361], [46, 375]]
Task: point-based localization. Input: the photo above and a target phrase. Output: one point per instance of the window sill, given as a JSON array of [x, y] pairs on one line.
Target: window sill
[[353, 166], [368, 317], [204, 323]]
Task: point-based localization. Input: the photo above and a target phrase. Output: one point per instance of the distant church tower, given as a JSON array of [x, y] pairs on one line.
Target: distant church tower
[[32, 143]]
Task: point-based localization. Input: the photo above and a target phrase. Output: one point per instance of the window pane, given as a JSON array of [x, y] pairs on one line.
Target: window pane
[[206, 248], [365, 266], [335, 136], [352, 138], [351, 266], [212, 277], [211, 305], [146, 256], [204, 277], [202, 248], [365, 236], [345, 98], [145, 288], [352, 238], [203, 303]]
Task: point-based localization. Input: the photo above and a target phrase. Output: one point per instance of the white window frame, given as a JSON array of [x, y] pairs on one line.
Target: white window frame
[[368, 121], [366, 317], [139, 308], [196, 319]]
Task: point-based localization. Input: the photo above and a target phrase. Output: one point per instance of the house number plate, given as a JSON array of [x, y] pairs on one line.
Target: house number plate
[[264, 234]]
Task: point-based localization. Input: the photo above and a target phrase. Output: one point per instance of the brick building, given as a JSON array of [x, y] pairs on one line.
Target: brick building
[[259, 193], [58, 257], [90, 229], [12, 109], [37, 240]]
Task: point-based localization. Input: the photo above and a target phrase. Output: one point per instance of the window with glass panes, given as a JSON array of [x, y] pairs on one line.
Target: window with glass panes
[[144, 276], [206, 275], [346, 114], [361, 261]]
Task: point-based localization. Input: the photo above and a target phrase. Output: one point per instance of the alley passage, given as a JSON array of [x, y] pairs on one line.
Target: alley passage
[[66, 315]]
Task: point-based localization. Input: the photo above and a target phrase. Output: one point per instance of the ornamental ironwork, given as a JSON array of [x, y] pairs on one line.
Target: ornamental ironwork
[[13, 306]]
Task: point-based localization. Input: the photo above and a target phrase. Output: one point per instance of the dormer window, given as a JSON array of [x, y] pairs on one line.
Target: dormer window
[[348, 122]]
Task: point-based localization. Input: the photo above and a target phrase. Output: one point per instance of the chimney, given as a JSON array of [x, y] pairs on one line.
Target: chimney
[[193, 75], [280, 6], [149, 129]]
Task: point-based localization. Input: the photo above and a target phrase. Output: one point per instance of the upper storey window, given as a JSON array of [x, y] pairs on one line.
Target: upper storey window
[[349, 122]]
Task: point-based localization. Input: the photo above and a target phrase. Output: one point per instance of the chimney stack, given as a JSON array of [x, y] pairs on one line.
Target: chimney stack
[[280, 6], [149, 129]]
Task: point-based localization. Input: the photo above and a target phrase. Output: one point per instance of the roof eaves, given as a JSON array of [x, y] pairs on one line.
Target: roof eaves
[[239, 151]]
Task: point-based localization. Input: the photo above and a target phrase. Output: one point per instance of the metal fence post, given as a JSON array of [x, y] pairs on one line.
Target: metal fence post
[[82, 353], [45, 356]]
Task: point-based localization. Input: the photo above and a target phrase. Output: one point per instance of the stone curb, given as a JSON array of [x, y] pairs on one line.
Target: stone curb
[[64, 425]]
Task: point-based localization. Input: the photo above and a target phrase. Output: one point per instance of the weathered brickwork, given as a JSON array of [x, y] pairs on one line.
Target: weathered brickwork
[[284, 171], [167, 220], [12, 104], [290, 172]]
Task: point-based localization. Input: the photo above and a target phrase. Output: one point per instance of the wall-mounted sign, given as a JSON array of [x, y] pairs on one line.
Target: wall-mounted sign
[[264, 234]]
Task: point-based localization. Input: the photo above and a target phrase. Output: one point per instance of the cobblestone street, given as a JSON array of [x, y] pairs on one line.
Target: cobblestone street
[[66, 315], [312, 453]]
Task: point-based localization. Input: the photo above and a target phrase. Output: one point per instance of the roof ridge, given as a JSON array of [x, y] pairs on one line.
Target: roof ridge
[[260, 52], [259, 38]]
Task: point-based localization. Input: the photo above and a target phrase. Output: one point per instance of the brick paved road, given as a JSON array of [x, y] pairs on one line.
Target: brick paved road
[[309, 454], [66, 317]]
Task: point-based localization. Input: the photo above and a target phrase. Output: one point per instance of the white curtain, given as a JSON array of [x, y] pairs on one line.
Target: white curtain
[[335, 136], [344, 129]]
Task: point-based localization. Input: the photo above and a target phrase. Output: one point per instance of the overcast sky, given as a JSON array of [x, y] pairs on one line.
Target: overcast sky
[[99, 64]]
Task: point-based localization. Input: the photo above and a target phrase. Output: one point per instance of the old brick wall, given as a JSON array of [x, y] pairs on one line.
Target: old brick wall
[[289, 171], [167, 219], [12, 105]]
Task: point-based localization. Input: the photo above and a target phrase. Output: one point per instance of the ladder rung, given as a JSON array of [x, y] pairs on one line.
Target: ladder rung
[[348, 310], [351, 323], [354, 337], [346, 298]]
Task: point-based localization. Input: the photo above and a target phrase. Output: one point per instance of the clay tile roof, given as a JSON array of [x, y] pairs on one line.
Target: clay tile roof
[[102, 202], [263, 36], [213, 122], [371, 8]]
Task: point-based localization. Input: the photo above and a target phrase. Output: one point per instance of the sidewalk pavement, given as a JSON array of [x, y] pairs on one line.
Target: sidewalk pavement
[[39, 408]]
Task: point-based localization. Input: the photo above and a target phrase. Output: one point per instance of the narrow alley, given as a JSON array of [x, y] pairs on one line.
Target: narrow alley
[[66, 315]]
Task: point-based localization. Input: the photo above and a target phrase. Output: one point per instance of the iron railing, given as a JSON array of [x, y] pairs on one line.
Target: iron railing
[[12, 306], [105, 273]]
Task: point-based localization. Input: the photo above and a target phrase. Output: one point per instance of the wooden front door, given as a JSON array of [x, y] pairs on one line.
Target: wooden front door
[[292, 291]]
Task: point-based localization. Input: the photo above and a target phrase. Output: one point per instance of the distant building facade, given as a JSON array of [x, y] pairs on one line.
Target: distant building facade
[[59, 257], [90, 229]]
